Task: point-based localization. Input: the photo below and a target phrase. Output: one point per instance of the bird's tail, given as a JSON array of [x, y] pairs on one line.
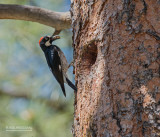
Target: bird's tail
[[71, 84], [63, 89]]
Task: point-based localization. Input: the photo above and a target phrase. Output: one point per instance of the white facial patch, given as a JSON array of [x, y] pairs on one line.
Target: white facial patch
[[48, 43]]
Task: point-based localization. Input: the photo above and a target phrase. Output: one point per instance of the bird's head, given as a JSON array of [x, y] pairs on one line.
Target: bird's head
[[46, 41]]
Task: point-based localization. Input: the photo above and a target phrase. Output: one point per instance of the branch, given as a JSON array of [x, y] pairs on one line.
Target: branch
[[57, 20], [56, 32], [49, 102]]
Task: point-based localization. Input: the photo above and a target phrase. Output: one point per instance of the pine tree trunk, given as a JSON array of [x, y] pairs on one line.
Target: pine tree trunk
[[117, 67]]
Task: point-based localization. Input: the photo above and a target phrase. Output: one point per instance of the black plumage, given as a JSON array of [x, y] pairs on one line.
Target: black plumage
[[54, 64], [56, 61]]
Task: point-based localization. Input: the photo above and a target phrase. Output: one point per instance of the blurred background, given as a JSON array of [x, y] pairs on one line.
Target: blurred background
[[29, 94]]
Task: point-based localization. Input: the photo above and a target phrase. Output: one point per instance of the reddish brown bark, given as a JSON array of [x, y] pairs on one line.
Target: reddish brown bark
[[117, 68]]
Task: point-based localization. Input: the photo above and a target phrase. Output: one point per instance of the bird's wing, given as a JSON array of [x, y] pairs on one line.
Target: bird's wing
[[54, 62], [64, 62]]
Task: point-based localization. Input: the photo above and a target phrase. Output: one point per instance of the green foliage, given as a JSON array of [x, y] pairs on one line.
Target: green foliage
[[23, 69]]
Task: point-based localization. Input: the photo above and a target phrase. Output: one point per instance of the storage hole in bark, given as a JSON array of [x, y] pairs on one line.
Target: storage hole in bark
[[89, 57]]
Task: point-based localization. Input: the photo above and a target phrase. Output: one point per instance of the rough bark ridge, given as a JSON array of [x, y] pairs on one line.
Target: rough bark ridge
[[117, 59]]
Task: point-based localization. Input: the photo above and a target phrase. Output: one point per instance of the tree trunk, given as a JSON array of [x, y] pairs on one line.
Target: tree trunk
[[117, 68]]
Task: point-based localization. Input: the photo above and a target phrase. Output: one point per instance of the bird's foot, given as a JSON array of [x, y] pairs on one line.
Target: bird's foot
[[71, 64]]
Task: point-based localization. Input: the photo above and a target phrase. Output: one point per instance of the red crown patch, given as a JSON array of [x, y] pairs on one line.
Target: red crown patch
[[40, 40]]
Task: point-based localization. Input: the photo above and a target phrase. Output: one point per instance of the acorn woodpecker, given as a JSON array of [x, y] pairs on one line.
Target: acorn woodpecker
[[56, 61]]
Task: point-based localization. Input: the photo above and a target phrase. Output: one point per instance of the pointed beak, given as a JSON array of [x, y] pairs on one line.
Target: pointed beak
[[54, 38]]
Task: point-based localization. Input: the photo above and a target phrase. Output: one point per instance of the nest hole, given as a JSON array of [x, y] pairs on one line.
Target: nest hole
[[89, 57]]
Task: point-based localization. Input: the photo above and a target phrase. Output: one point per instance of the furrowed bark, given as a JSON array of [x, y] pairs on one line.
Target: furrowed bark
[[117, 68]]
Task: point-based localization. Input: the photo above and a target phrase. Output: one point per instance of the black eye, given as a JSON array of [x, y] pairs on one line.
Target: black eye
[[46, 38]]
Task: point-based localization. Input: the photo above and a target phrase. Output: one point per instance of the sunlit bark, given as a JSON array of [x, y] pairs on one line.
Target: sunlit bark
[[117, 68]]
